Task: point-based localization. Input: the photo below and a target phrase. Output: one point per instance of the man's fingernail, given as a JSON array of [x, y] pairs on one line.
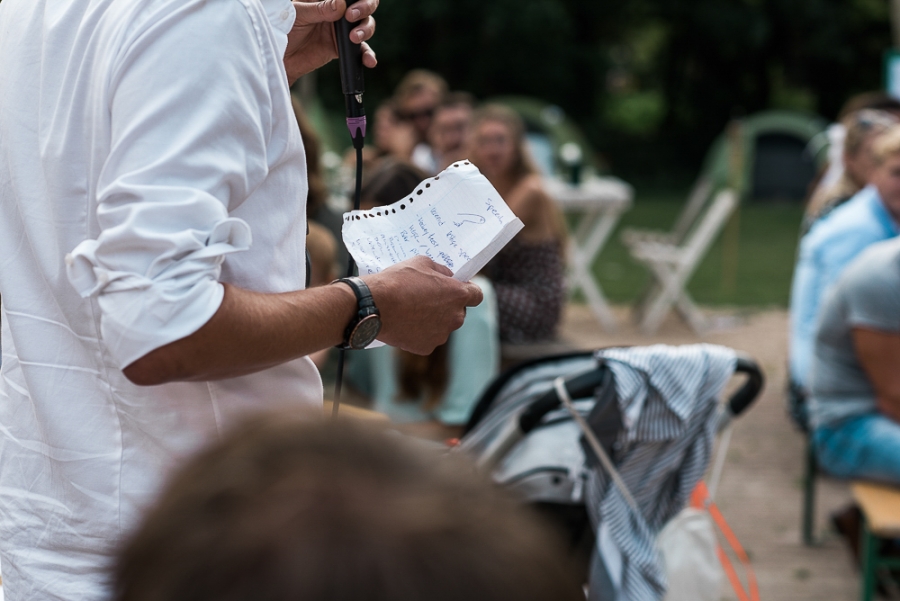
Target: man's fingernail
[[333, 4], [359, 35], [354, 14]]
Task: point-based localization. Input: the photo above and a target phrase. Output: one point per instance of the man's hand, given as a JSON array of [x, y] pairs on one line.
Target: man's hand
[[420, 304], [311, 41]]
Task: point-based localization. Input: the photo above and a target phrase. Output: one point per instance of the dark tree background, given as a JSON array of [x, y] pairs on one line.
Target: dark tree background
[[651, 82]]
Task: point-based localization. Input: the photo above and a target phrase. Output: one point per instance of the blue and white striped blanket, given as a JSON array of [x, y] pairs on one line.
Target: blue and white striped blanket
[[668, 398]]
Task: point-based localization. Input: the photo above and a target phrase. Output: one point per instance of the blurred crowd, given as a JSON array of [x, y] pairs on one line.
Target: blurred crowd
[[421, 130], [845, 304]]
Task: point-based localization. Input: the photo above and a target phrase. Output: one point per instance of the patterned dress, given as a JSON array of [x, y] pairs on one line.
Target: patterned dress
[[528, 280]]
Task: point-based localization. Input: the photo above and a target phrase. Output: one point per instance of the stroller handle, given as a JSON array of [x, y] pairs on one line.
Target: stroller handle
[[579, 386], [749, 392], [585, 384]]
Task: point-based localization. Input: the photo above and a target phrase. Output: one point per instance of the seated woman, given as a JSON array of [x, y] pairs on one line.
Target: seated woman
[[528, 273], [855, 377], [862, 129], [432, 395]]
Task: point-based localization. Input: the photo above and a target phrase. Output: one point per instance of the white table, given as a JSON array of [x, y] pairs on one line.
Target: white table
[[599, 203]]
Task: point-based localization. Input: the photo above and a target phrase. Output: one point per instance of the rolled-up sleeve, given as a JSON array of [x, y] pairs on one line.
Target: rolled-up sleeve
[[188, 102]]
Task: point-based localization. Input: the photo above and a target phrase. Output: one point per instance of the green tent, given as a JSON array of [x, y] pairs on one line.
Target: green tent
[[769, 156]]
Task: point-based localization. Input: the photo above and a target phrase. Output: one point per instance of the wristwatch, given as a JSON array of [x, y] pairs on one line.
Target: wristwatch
[[363, 328]]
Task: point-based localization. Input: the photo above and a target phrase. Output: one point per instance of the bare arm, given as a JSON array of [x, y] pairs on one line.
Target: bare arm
[[879, 355], [530, 203], [420, 305]]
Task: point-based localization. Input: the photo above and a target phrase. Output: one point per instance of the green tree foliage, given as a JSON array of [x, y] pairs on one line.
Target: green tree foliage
[[650, 81]]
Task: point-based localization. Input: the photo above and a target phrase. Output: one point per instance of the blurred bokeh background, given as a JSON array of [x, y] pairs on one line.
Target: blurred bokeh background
[[649, 88]]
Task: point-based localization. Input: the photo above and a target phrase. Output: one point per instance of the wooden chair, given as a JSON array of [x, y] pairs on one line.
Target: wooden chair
[[880, 507], [810, 472], [697, 200], [673, 263]]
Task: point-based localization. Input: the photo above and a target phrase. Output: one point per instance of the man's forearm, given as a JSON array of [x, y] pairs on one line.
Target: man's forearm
[[251, 331], [419, 301], [877, 352]]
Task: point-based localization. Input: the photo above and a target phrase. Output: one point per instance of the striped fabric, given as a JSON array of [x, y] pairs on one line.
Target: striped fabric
[[668, 397]]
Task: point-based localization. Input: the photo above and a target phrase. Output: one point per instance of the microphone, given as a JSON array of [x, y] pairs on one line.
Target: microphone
[[352, 84], [350, 59]]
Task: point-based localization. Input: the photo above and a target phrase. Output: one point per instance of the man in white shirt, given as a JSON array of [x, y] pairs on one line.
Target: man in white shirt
[[152, 233]]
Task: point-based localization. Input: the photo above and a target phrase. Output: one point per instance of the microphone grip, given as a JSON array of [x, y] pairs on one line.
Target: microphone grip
[[350, 58]]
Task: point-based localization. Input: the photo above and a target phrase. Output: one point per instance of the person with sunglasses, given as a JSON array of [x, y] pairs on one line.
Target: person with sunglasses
[[861, 129], [417, 96]]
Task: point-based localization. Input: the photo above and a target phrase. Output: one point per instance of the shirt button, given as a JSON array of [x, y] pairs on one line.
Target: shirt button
[[285, 14]]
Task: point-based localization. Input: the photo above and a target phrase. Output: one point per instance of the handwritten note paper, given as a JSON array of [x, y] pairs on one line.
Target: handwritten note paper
[[456, 218]]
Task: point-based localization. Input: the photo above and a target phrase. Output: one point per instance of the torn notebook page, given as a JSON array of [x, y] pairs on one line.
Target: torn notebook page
[[456, 218]]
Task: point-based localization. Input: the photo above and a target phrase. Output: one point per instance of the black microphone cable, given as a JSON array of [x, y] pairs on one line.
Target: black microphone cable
[[353, 87]]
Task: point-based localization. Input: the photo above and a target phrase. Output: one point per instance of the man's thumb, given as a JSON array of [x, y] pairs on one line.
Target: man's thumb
[[309, 13]]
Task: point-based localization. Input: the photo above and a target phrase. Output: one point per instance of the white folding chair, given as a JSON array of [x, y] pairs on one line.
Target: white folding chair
[[673, 263], [697, 200]]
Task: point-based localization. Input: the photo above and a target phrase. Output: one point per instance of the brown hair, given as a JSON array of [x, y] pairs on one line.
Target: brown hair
[[887, 144], [877, 100], [388, 180], [522, 163], [862, 124], [318, 190], [417, 80], [282, 509], [457, 98]]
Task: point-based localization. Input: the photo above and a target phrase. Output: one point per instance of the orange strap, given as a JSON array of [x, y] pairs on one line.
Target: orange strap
[[700, 500]]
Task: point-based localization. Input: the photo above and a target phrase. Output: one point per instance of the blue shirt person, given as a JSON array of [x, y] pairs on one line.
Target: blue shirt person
[[827, 249], [854, 408]]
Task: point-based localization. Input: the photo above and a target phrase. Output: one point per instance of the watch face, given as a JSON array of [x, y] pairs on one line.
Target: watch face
[[365, 331]]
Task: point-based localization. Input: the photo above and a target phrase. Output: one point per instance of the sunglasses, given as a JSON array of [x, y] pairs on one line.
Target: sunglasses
[[869, 118]]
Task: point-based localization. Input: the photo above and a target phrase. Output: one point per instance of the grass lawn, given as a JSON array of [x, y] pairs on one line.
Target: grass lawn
[[749, 265]]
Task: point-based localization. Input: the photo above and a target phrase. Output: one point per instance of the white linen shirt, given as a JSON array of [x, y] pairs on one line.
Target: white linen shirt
[[141, 143]]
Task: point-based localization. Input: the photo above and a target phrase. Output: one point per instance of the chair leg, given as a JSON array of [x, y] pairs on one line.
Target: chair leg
[[809, 494], [691, 314], [670, 282], [869, 562]]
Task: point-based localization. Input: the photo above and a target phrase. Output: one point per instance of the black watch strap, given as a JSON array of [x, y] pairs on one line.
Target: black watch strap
[[365, 310], [361, 290]]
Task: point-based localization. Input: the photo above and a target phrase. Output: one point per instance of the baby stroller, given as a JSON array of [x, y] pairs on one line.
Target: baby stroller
[[654, 412]]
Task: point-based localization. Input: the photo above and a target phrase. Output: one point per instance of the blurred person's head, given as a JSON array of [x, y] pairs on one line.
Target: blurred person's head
[[876, 100], [449, 130], [388, 181], [886, 175], [863, 128], [393, 135], [498, 144], [286, 510], [417, 95]]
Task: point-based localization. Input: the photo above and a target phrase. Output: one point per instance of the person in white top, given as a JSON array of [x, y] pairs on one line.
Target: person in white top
[[152, 223]]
